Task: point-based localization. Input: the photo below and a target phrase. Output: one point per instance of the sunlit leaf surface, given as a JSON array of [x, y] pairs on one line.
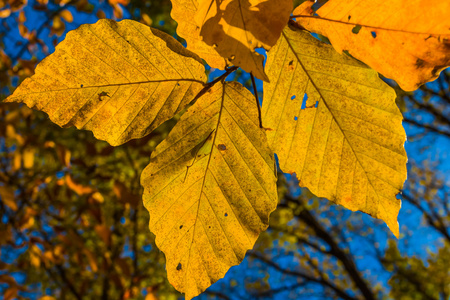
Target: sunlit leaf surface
[[236, 27], [334, 122], [184, 11], [210, 187], [119, 80], [408, 41]]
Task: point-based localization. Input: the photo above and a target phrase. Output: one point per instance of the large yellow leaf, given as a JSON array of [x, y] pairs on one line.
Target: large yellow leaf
[[334, 123], [236, 27], [120, 80], [408, 41], [184, 11], [210, 187]]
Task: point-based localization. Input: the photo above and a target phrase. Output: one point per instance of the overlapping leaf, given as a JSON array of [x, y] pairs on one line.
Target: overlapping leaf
[[408, 41], [120, 80], [210, 187], [184, 11], [236, 27], [335, 124]]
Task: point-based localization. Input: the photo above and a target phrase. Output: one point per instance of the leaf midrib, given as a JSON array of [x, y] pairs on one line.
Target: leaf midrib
[[116, 84], [204, 179], [368, 26]]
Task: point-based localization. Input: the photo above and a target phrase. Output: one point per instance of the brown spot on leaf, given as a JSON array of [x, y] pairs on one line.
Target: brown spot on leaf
[[419, 63], [356, 29]]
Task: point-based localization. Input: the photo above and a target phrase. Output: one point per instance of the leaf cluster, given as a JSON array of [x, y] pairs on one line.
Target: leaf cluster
[[211, 184]]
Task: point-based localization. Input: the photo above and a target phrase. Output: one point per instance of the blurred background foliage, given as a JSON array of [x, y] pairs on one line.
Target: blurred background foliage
[[72, 225]]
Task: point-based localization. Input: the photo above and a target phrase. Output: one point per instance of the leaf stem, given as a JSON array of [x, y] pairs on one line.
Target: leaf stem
[[212, 83], [294, 24], [257, 100]]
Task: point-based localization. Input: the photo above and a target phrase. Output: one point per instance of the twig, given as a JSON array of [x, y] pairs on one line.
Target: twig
[[341, 293], [42, 27], [335, 250], [212, 83], [257, 100], [427, 127]]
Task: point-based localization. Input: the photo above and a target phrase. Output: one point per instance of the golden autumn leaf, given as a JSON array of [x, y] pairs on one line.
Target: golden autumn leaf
[[7, 197], [335, 124], [120, 80], [10, 293], [237, 27], [210, 187], [66, 15], [28, 157], [411, 44], [79, 189], [183, 11], [4, 13]]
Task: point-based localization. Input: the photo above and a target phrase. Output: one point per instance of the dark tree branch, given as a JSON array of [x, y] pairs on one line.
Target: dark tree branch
[[431, 109], [60, 269], [271, 293], [426, 126], [335, 250], [436, 222], [217, 294], [39, 30], [341, 293]]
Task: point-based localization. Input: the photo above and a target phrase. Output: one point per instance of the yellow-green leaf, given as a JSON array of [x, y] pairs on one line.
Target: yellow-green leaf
[[119, 80], [207, 209], [183, 11], [408, 41], [236, 27], [334, 123]]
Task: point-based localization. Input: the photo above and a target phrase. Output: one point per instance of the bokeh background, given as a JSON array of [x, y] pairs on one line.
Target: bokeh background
[[72, 225]]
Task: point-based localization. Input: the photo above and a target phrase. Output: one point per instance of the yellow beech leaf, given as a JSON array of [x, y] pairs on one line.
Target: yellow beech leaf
[[183, 12], [411, 44], [335, 124], [236, 27], [210, 187], [119, 80]]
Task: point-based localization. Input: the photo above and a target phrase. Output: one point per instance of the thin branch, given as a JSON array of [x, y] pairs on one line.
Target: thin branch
[[41, 28], [431, 109], [60, 269], [271, 293], [69, 284], [217, 294], [209, 85], [341, 293], [257, 100], [426, 126], [335, 250], [437, 224]]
